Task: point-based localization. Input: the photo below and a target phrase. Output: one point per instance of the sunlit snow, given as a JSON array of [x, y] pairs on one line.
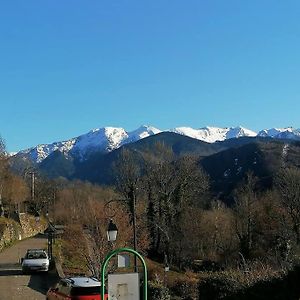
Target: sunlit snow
[[107, 139]]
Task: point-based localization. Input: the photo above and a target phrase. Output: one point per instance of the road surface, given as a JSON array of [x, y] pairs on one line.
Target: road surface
[[13, 284]]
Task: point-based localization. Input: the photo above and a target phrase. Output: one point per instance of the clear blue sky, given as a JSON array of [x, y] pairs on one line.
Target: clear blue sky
[[69, 66]]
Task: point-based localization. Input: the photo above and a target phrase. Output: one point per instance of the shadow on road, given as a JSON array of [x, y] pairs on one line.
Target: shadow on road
[[10, 272], [41, 282], [10, 269]]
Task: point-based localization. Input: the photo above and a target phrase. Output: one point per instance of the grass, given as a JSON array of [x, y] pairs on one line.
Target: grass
[[71, 259]]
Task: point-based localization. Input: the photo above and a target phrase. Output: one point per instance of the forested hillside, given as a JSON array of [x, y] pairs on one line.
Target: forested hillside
[[197, 207]]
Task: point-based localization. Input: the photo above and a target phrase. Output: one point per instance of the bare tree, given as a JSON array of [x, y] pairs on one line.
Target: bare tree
[[244, 212], [276, 236], [128, 178], [172, 186], [3, 172], [82, 207], [16, 191], [128, 184], [288, 184]]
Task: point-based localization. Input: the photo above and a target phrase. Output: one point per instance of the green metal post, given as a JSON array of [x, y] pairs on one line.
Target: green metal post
[[107, 259]]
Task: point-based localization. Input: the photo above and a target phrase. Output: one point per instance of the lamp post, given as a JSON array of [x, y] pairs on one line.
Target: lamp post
[[134, 231], [32, 173], [50, 231], [133, 223], [112, 232]]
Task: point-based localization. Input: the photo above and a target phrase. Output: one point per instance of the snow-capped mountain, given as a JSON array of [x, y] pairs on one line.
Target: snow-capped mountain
[[107, 139], [141, 133], [213, 134], [103, 140], [40, 152], [281, 133]]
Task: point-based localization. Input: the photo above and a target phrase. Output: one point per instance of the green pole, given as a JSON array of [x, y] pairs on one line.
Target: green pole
[[106, 261]]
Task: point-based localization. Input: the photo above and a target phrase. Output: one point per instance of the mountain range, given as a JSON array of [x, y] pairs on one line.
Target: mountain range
[[225, 154], [107, 139]]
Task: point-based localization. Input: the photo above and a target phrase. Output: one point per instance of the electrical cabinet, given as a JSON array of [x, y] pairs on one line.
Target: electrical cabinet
[[124, 286]]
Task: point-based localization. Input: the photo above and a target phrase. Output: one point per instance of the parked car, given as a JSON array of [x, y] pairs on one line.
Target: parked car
[[79, 288], [35, 260]]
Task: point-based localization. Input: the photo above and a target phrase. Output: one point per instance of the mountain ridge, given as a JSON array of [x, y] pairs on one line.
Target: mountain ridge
[[107, 139]]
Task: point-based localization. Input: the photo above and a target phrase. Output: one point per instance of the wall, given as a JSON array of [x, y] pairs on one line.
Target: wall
[[19, 227]]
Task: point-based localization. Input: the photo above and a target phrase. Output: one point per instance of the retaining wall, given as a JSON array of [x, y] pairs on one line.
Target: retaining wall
[[19, 227]]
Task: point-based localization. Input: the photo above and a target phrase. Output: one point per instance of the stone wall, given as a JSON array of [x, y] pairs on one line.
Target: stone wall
[[19, 227], [30, 225], [9, 232]]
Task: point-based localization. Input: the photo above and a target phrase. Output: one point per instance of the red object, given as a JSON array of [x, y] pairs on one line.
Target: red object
[[76, 288]]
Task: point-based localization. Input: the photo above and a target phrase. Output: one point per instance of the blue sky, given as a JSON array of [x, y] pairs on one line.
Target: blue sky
[[69, 66]]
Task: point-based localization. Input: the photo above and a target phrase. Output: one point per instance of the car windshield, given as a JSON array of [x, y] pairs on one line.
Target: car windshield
[[85, 291], [36, 255]]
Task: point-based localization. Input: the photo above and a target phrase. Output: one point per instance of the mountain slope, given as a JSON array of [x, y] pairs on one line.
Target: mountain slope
[[264, 157], [102, 140], [91, 156], [281, 133], [108, 139], [98, 167], [226, 162]]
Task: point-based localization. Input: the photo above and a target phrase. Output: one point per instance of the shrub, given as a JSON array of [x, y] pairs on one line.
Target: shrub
[[186, 288], [218, 286], [157, 290], [227, 284]]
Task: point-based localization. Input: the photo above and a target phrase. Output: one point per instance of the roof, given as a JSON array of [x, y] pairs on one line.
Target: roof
[[36, 250], [83, 281]]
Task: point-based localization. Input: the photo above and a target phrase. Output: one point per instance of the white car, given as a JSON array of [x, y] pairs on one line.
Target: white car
[[35, 260]]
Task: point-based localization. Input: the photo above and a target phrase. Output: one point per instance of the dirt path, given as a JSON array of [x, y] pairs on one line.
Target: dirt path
[[13, 284]]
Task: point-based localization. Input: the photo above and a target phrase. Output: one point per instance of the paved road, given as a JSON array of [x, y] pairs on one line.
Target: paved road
[[13, 284]]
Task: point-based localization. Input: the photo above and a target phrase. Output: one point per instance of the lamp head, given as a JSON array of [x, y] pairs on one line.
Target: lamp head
[[112, 231]]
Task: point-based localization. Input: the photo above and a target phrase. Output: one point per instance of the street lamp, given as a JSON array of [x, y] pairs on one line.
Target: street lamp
[[112, 231], [50, 231], [133, 225]]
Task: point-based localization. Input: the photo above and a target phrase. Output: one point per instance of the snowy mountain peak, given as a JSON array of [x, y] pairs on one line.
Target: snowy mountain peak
[[239, 131], [142, 132], [281, 133], [40, 152], [149, 129], [212, 134], [107, 139]]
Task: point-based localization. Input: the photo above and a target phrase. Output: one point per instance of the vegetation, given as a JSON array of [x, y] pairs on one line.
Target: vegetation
[[214, 249]]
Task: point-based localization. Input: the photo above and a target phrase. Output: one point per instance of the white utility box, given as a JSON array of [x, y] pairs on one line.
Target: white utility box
[[124, 286]]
